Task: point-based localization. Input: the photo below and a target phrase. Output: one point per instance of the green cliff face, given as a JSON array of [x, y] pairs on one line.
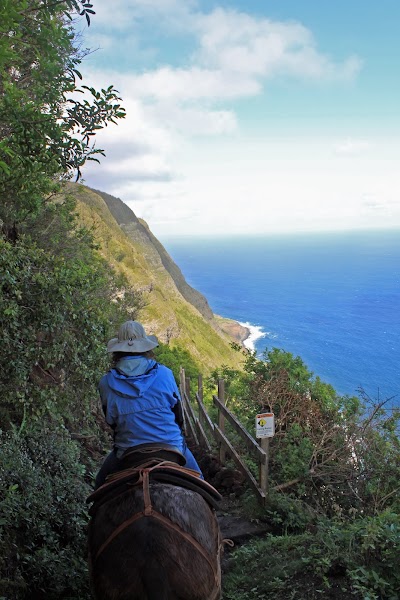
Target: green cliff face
[[174, 311]]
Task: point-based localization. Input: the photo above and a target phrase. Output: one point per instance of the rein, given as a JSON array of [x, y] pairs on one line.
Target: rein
[[149, 511]]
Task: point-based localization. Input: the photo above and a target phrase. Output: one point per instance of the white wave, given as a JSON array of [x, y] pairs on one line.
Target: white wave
[[270, 335], [256, 333]]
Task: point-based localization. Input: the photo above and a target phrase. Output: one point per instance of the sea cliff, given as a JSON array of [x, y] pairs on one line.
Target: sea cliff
[[174, 311]]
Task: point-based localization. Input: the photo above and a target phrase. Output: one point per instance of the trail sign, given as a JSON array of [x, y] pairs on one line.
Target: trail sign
[[265, 425]]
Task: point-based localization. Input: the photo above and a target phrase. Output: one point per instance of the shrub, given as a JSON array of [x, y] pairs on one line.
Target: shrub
[[335, 560], [175, 358], [43, 517], [55, 314]]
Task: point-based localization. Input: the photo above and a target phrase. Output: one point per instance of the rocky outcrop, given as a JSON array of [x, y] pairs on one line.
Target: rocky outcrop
[[234, 329]]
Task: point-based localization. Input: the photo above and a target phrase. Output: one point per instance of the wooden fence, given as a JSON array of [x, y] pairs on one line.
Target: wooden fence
[[201, 428]]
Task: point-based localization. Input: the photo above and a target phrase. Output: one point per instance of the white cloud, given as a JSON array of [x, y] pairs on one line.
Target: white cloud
[[193, 84], [351, 146], [152, 161], [236, 42], [194, 120], [235, 53]]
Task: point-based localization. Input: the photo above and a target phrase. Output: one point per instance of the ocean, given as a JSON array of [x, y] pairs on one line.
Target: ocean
[[333, 299]]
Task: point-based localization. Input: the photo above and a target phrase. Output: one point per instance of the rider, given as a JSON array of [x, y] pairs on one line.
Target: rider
[[140, 399]]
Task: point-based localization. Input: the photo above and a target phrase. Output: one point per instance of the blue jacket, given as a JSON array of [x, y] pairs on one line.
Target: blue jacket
[[138, 396]]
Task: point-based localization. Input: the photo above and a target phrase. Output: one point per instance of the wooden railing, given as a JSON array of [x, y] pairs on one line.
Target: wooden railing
[[206, 433]]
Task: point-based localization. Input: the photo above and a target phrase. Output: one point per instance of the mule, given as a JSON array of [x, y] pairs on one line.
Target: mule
[[150, 539]]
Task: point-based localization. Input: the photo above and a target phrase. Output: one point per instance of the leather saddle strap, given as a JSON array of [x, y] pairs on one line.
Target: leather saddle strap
[[117, 531], [148, 509], [187, 537]]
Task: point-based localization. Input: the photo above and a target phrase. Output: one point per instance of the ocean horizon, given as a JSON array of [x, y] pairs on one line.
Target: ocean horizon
[[331, 298]]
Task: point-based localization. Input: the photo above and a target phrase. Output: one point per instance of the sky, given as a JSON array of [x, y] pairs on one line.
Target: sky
[[250, 117]]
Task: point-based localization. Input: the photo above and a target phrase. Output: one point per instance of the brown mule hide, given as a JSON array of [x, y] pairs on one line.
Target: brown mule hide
[[171, 554]]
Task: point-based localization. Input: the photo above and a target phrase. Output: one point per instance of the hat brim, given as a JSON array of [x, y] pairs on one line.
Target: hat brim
[[135, 345]]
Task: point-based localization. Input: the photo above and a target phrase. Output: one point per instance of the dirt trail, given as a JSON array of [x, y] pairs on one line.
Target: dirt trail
[[233, 523]]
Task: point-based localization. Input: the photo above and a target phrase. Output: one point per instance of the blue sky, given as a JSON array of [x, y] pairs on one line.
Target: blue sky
[[251, 117]]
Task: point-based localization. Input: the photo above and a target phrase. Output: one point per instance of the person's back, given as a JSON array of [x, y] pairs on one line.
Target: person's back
[[140, 399], [140, 407]]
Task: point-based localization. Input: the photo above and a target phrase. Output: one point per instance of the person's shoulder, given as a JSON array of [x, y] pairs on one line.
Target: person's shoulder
[[165, 372], [104, 380], [163, 369]]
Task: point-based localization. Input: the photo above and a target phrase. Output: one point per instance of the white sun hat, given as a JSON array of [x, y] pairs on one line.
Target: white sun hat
[[132, 338]]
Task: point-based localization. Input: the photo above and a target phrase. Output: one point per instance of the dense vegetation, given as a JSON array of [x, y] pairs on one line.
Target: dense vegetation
[[334, 487], [335, 465], [58, 301]]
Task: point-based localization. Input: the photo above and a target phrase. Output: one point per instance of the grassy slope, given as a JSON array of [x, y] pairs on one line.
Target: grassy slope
[[167, 313]]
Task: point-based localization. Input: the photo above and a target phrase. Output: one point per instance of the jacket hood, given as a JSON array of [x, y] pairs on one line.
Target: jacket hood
[[134, 365], [132, 376]]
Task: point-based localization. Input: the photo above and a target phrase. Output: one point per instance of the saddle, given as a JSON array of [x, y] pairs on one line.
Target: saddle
[[133, 457], [160, 463]]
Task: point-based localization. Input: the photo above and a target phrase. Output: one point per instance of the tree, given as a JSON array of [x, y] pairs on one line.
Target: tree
[[55, 315], [45, 133]]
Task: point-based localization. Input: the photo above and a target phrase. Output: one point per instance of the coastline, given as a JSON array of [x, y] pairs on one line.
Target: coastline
[[244, 333], [255, 333]]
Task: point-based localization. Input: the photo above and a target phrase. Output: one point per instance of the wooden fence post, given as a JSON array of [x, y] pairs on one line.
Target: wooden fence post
[[182, 392], [195, 430], [264, 443], [200, 397], [221, 418], [204, 420], [200, 387]]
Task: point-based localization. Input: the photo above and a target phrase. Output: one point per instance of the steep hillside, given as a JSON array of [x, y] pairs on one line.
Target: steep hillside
[[174, 311], [138, 229]]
